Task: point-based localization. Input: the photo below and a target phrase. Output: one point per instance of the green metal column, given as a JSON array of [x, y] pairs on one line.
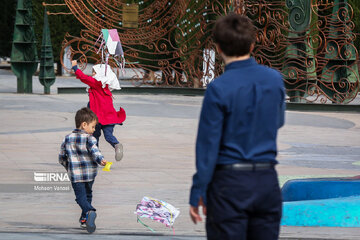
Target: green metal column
[[24, 59], [47, 73]]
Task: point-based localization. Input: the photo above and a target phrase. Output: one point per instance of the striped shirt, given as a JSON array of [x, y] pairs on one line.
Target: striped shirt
[[80, 156]]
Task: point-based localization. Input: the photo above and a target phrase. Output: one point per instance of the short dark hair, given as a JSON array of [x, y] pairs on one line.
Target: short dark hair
[[234, 34], [84, 115]]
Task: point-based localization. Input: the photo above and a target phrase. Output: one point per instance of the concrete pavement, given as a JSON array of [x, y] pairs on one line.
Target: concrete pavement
[[158, 138]]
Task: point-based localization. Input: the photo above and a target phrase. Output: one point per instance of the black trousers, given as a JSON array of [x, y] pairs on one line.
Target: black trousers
[[244, 205]]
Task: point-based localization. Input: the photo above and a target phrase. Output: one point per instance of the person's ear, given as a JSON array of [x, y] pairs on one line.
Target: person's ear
[[218, 49], [83, 125], [252, 46]]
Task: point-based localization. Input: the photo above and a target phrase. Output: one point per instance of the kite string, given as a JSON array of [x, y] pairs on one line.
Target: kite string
[[119, 64], [84, 53], [92, 47], [138, 219]]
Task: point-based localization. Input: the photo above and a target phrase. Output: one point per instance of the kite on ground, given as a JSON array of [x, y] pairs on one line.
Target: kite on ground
[[156, 210]]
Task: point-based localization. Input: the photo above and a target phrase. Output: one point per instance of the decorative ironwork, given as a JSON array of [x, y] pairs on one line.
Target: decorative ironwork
[[309, 41], [171, 45]]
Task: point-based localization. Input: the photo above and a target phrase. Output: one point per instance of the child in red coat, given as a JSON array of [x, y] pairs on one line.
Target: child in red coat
[[102, 81]]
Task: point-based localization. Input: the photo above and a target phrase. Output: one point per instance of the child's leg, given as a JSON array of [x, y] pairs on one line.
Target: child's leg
[[81, 197], [88, 187], [110, 138], [108, 134], [97, 133]]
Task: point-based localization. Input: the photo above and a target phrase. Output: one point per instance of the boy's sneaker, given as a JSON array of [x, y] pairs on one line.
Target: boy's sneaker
[[118, 151], [90, 221], [82, 222]]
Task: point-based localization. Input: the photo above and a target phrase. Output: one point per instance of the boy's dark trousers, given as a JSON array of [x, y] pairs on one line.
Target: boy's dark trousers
[[83, 193], [108, 133], [244, 205]]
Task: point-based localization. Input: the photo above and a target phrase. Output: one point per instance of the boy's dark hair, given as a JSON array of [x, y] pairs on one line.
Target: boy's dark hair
[[84, 115], [234, 34]]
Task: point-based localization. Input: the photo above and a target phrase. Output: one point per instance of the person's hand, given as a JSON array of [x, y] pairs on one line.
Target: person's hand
[[103, 162], [194, 211], [73, 63]]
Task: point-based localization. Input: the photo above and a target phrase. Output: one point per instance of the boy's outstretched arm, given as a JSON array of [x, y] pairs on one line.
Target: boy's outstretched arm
[[95, 152]]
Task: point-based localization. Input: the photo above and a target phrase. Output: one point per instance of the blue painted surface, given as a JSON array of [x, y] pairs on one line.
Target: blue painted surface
[[335, 212], [312, 189], [321, 202]]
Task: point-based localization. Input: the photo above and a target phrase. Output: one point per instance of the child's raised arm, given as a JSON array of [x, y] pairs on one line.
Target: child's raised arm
[[90, 81]]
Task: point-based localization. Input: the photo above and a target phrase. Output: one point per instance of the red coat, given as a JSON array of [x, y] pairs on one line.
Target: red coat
[[101, 102]]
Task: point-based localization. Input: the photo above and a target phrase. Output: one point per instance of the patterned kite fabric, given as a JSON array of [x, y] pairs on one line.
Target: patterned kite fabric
[[110, 46], [156, 210]]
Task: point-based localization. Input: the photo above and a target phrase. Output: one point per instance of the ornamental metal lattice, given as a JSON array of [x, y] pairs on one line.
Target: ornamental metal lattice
[[168, 43], [312, 44]]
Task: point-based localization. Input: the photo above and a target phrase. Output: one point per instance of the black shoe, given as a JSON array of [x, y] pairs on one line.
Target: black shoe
[[90, 221], [82, 222]]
